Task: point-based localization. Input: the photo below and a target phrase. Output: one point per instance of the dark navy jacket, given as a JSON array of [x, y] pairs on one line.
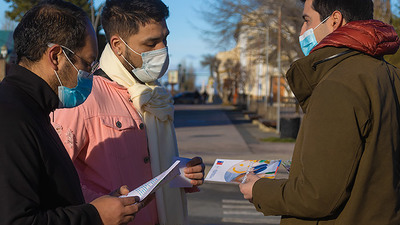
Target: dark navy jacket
[[38, 182]]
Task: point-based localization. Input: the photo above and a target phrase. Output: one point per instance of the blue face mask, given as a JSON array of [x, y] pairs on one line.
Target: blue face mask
[[308, 40], [72, 97]]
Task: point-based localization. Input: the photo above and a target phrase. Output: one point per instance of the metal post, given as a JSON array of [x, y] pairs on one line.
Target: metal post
[[278, 108], [267, 89]]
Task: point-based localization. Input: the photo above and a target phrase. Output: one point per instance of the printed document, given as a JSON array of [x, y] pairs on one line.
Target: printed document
[[151, 186]]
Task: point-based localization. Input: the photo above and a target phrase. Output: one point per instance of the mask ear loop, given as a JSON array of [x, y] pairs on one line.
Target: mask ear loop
[[129, 47], [323, 21], [127, 61], [58, 77], [70, 60]]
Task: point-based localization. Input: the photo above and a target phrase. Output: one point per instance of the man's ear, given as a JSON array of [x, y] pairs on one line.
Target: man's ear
[[117, 45], [337, 20], [53, 53]]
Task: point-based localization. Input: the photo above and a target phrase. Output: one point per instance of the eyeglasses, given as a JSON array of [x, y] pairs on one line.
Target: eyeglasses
[[93, 66]]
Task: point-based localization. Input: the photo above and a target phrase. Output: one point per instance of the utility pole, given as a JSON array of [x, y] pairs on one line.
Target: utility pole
[[278, 107], [267, 85]]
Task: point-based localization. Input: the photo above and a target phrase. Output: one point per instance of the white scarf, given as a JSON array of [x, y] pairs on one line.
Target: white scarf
[[155, 105]]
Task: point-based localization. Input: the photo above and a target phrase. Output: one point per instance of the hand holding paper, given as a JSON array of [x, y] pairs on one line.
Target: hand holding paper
[[234, 171], [152, 185]]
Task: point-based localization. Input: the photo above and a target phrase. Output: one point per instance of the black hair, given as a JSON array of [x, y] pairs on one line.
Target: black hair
[[123, 17], [51, 21], [352, 10]]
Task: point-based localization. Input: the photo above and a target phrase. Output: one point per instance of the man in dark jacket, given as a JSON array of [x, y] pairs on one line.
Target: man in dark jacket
[[345, 167], [38, 182]]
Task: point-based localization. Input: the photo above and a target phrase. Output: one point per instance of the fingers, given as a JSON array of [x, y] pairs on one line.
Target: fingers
[[128, 219], [196, 182], [246, 190], [251, 177], [194, 161], [129, 200], [194, 169]]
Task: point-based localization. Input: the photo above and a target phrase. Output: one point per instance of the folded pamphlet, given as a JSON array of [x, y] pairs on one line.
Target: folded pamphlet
[[154, 184], [233, 171]]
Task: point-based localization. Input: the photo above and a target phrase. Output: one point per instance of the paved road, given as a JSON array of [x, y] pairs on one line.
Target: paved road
[[215, 131]]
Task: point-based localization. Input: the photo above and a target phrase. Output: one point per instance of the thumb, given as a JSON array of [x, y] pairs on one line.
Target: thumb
[[123, 190]]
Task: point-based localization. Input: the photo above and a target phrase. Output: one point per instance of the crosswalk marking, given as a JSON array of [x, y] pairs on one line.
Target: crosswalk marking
[[234, 201], [243, 212], [238, 207]]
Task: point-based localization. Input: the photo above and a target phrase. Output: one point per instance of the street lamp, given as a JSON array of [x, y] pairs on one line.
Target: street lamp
[[4, 51]]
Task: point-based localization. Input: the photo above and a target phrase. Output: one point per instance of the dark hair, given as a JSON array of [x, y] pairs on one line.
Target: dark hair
[[352, 10], [54, 21], [123, 17]]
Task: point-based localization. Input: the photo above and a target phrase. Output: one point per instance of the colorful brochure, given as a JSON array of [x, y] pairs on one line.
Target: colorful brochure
[[233, 171]]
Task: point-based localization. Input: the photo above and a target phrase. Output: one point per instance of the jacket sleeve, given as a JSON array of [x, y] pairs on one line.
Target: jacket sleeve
[[70, 126], [22, 184], [326, 157]]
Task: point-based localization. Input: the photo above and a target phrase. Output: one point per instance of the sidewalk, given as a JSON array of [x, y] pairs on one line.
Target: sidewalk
[[215, 131]]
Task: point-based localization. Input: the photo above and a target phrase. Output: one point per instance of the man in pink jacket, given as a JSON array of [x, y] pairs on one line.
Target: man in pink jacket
[[123, 133]]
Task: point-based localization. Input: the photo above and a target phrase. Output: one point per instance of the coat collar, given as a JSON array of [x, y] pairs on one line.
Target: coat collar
[[33, 86], [306, 73], [371, 37]]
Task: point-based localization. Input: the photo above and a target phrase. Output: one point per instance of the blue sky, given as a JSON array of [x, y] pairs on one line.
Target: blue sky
[[185, 42]]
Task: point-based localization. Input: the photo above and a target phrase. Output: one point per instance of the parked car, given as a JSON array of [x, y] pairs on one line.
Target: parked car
[[187, 97]]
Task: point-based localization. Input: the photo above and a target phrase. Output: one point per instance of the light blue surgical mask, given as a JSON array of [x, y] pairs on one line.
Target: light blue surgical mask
[[72, 97], [155, 64], [308, 40]]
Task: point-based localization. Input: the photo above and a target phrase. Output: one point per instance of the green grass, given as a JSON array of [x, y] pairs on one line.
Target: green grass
[[277, 139]]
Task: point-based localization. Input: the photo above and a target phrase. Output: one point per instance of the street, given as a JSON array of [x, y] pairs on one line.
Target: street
[[216, 131]]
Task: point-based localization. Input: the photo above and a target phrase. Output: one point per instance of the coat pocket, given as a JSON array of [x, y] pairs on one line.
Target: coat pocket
[[119, 123]]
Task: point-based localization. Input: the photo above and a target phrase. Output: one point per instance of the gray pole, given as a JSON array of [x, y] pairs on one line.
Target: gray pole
[[266, 73], [278, 108]]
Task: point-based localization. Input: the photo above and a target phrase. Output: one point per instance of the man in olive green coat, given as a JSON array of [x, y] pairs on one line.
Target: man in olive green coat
[[345, 167]]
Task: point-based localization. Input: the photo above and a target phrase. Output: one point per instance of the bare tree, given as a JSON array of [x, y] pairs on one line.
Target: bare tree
[[213, 63], [8, 24], [20, 7], [383, 11], [229, 18]]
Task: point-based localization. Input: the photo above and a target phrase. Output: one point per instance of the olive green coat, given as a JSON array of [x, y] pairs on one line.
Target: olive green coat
[[345, 167]]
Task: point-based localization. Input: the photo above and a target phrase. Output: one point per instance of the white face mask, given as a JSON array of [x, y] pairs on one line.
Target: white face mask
[[155, 64]]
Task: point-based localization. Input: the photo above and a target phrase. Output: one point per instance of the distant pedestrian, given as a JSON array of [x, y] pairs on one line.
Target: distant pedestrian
[[204, 96], [57, 48], [346, 162]]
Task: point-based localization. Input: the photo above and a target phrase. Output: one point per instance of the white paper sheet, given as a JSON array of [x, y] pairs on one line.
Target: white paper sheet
[[152, 185]]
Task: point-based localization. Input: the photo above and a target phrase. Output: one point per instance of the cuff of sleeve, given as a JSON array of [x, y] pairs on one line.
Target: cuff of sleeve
[[93, 214], [268, 195]]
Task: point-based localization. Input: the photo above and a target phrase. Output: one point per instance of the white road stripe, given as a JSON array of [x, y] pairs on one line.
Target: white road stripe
[[243, 212], [265, 220], [233, 201], [251, 207]]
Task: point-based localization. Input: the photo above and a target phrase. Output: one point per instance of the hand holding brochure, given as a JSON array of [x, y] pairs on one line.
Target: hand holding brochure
[[151, 186], [234, 171]]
